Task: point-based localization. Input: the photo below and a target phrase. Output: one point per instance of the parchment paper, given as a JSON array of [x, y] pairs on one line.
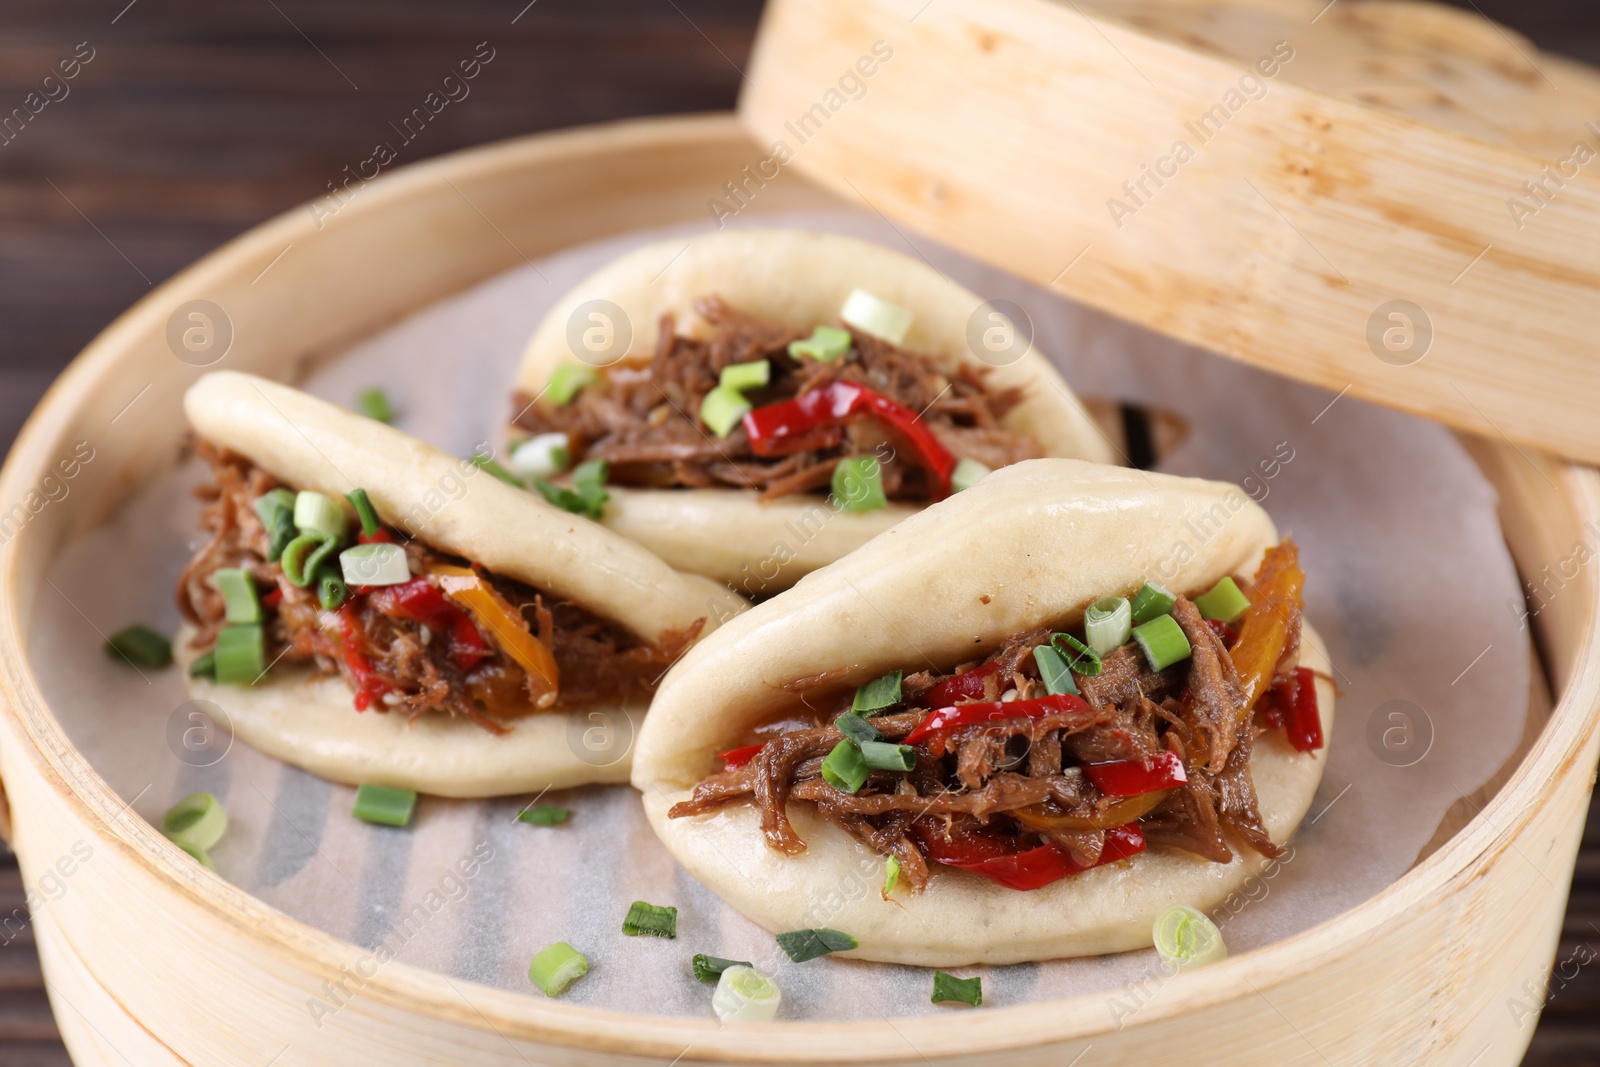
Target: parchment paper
[[1409, 581]]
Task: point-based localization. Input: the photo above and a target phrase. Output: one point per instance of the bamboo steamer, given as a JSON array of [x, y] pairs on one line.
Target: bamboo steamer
[[151, 959]]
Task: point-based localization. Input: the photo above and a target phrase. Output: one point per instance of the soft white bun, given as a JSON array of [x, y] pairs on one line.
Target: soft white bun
[[1031, 544], [310, 721], [802, 279]]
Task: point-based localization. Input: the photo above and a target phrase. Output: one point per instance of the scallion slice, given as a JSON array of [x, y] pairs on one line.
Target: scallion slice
[[272, 501], [891, 874], [745, 995], [140, 646], [383, 805], [858, 484], [856, 728], [239, 600], [1107, 624], [332, 591], [241, 654], [826, 343], [542, 455], [196, 821], [557, 967], [374, 404], [302, 556], [1185, 937], [204, 665], [710, 968], [1163, 642], [1053, 671], [1150, 601], [279, 521], [650, 920], [947, 988], [379, 563], [199, 856], [320, 513], [493, 467], [744, 376], [722, 408], [845, 768], [1224, 603], [881, 319], [544, 815], [880, 694], [887, 756], [803, 945], [568, 380], [1080, 658], [967, 473], [364, 511]]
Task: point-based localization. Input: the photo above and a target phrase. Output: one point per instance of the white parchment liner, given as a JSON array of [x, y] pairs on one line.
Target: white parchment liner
[[1409, 581]]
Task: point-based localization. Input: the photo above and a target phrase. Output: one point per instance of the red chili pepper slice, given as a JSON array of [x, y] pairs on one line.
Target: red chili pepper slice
[[995, 858], [968, 685], [738, 757], [1296, 701], [272, 599], [421, 601], [791, 425], [950, 718], [381, 537], [1229, 635], [369, 686], [1130, 778]]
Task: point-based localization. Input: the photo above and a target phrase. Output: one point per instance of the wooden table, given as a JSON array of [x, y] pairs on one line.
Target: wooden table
[[193, 121]]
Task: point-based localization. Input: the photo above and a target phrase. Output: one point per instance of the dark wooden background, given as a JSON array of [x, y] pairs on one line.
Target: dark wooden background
[[197, 119]]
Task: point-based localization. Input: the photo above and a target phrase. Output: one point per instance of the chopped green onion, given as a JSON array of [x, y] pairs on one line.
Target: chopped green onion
[[745, 995], [568, 381], [1185, 937], [557, 967], [276, 512], [199, 856], [1225, 602], [140, 646], [364, 511], [652, 920], [1150, 601], [858, 484], [967, 473], [741, 377], [374, 404], [1162, 641], [710, 968], [826, 343], [891, 875], [204, 665], [196, 821], [241, 654], [545, 815], [886, 756], [542, 455], [271, 501], [856, 728], [803, 945], [1054, 672], [845, 768], [1080, 658], [722, 409], [878, 317], [332, 591], [381, 804], [1107, 624], [302, 556], [488, 463], [239, 600], [379, 563], [877, 695], [947, 988], [319, 513], [587, 496]]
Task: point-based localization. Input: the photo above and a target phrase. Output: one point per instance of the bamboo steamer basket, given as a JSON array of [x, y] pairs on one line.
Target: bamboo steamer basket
[[153, 960]]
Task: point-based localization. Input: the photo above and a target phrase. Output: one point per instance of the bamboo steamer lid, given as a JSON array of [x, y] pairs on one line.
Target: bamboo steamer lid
[[1392, 199]]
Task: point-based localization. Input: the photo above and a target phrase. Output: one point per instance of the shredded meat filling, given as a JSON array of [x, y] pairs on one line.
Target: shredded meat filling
[[400, 658], [641, 417]]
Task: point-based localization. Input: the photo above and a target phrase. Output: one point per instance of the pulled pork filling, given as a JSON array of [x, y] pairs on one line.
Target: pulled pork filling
[[378, 640], [1024, 785], [641, 417]]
